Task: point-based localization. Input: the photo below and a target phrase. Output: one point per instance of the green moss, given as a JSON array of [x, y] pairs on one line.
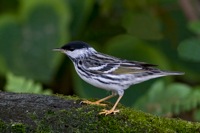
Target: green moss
[[74, 97], [12, 127], [2, 127], [85, 118], [18, 128]]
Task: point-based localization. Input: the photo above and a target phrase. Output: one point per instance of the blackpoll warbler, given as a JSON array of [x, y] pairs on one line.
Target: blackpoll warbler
[[107, 72]]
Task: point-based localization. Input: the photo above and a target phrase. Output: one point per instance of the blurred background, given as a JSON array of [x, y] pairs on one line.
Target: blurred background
[[163, 32]]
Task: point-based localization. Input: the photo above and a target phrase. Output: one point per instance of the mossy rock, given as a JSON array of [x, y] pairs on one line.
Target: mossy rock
[[41, 113]]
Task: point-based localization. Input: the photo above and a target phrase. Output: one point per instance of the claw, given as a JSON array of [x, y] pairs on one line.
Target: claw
[[107, 112], [93, 103]]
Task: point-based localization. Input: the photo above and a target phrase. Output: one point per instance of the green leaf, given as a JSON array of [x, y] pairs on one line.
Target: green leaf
[[81, 11], [173, 99], [142, 25], [27, 41], [189, 49], [107, 6], [21, 85], [194, 26], [197, 115]]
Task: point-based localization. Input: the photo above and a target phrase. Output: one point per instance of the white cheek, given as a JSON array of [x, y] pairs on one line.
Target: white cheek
[[78, 53], [73, 54]]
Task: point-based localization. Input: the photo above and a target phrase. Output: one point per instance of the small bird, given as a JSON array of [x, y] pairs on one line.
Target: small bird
[[108, 72]]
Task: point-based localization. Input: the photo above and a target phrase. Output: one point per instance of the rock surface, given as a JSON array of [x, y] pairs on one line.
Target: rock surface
[[42, 113]]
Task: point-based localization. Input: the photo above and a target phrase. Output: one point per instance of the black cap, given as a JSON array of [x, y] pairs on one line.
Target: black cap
[[71, 46]]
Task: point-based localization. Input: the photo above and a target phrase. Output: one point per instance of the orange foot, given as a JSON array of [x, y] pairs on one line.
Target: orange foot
[[93, 103], [107, 112]]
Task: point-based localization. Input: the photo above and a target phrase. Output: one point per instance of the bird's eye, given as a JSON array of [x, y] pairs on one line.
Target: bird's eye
[[71, 49]]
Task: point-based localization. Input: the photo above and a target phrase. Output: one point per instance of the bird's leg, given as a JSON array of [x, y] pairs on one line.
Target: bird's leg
[[106, 112], [99, 101]]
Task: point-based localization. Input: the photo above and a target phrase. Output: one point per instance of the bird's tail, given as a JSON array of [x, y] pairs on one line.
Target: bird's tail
[[173, 73], [157, 73]]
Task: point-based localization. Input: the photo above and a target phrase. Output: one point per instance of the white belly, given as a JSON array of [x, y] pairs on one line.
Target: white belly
[[106, 85]]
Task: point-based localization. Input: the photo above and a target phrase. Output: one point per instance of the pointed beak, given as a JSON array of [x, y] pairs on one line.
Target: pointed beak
[[57, 49]]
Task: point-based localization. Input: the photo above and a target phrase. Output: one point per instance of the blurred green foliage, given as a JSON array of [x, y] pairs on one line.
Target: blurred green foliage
[[27, 39], [141, 24], [19, 84], [172, 99], [156, 31]]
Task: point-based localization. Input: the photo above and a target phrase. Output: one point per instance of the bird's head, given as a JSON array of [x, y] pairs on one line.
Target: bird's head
[[76, 49]]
